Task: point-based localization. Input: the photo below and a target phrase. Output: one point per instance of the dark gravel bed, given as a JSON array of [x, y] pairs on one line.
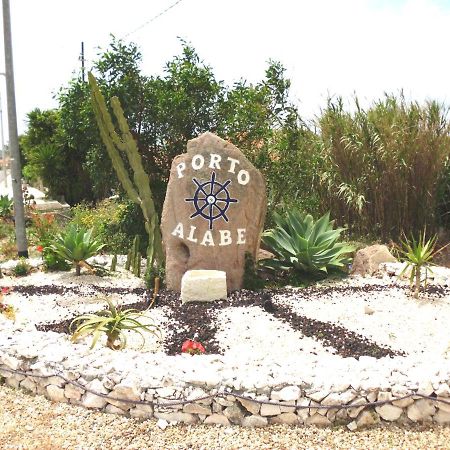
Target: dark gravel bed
[[200, 318]]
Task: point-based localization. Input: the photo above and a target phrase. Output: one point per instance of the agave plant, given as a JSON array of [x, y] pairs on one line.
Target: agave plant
[[76, 245], [418, 255], [305, 245], [112, 322]]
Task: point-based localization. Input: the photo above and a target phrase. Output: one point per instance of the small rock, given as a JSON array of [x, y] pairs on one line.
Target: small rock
[[55, 393], [288, 394], [368, 310], [162, 424], [194, 408], [442, 417], [352, 426], [250, 406], [254, 421], [389, 412], [421, 410], [286, 418], [270, 410], [318, 420], [217, 419], [367, 418]]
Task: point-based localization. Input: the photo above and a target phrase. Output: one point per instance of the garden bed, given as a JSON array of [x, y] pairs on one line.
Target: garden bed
[[357, 340]]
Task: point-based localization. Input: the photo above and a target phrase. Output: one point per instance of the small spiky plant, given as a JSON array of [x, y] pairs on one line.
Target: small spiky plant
[[112, 322], [76, 245], [418, 255]]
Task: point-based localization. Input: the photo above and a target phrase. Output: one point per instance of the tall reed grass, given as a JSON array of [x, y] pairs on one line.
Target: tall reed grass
[[383, 169]]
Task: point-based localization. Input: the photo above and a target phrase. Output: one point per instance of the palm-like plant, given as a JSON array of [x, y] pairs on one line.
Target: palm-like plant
[[76, 245], [113, 322], [305, 245], [418, 254]]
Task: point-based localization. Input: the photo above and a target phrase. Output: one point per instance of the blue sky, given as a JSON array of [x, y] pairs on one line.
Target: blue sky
[[329, 47]]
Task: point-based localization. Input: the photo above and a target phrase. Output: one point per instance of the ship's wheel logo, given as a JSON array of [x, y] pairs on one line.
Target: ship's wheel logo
[[211, 200]]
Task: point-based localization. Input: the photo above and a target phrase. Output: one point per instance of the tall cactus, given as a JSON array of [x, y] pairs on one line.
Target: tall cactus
[[138, 189]]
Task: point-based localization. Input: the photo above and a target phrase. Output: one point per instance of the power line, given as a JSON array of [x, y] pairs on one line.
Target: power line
[[153, 18]]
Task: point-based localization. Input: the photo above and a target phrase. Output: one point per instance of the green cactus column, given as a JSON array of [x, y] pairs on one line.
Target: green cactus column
[[138, 188]]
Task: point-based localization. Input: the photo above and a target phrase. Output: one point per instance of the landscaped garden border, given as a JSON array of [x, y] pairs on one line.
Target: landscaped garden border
[[37, 362]]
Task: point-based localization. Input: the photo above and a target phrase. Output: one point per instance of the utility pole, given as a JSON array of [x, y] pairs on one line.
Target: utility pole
[[82, 61], [16, 169], [3, 142]]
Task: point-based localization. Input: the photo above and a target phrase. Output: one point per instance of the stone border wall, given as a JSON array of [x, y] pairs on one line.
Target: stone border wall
[[225, 408]]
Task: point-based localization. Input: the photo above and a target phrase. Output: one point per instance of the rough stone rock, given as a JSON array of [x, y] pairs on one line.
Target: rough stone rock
[[251, 407], [73, 392], [288, 394], [353, 412], [28, 385], [55, 393], [442, 417], [389, 412], [336, 398], [367, 418], [444, 406], [421, 410], [142, 411], [352, 426], [368, 259], [224, 402], [89, 400], [234, 413], [270, 410], [403, 403], [303, 413], [318, 396], [217, 419], [203, 286], [288, 418], [162, 424], [318, 419], [212, 229], [285, 409], [194, 408], [197, 393], [254, 421], [114, 410], [127, 391]]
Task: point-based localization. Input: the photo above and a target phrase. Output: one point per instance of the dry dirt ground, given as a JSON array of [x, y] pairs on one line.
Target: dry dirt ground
[[28, 422]]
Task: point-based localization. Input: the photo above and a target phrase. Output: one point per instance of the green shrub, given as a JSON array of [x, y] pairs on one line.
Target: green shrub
[[301, 244], [115, 223], [22, 268], [76, 245], [6, 206]]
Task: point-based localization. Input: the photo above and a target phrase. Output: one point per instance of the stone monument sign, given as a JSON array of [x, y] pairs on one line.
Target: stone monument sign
[[214, 211]]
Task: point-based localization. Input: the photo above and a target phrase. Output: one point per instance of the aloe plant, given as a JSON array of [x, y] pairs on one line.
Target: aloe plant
[[305, 245], [112, 322], [76, 245], [418, 254]]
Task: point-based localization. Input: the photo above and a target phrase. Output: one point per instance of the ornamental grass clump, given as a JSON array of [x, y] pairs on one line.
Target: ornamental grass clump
[[112, 322], [418, 254], [299, 243], [76, 245]]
